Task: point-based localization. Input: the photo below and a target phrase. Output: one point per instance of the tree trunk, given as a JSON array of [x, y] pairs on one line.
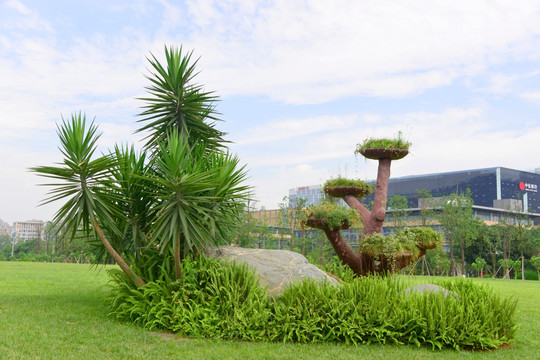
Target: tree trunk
[[452, 261], [493, 263], [462, 250], [357, 264], [177, 259], [116, 257], [375, 222]]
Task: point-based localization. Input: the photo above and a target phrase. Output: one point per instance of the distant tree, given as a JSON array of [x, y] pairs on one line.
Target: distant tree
[[478, 265], [398, 206], [490, 240], [295, 216], [5, 240], [517, 264], [517, 236], [426, 211], [439, 261], [458, 225], [244, 230], [523, 237], [535, 262], [507, 266]]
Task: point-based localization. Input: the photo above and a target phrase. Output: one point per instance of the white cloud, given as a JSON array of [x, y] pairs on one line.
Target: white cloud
[[294, 52], [285, 129], [450, 140], [311, 52], [531, 96], [30, 19], [273, 183]]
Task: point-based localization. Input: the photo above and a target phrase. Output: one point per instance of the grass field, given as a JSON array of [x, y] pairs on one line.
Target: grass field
[[57, 311]]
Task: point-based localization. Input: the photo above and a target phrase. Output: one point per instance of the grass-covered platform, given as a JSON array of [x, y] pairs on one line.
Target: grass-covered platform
[[57, 311]]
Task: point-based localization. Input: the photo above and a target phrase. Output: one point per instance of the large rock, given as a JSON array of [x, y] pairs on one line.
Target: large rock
[[275, 268], [422, 288]]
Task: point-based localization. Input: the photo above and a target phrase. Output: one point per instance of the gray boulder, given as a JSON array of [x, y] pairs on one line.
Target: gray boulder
[[422, 288], [275, 268]]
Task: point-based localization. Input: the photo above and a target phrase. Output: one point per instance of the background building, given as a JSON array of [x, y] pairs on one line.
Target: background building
[[313, 195], [27, 230], [491, 187], [6, 231]]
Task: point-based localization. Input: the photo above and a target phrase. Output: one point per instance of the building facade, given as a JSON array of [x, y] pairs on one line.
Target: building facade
[[29, 230], [6, 231], [491, 187], [312, 194]]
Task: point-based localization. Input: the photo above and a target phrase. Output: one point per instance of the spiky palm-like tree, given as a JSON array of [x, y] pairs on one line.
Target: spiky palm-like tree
[[176, 102], [85, 183], [174, 199], [198, 194], [198, 183]]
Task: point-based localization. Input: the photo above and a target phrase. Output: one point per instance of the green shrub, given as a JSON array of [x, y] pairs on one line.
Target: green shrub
[[529, 274], [213, 300], [225, 301], [334, 215]]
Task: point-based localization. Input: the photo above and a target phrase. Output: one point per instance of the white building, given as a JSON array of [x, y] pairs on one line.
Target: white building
[[27, 230], [6, 230], [313, 195]]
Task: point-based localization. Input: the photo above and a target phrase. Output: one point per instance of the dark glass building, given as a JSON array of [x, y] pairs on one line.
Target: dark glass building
[[486, 186]]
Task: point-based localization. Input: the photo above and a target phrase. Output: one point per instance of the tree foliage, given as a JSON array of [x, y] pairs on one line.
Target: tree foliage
[[458, 224]]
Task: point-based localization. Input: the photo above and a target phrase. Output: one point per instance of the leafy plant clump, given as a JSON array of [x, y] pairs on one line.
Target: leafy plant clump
[[408, 241], [332, 215], [397, 143], [220, 300], [214, 299], [426, 237]]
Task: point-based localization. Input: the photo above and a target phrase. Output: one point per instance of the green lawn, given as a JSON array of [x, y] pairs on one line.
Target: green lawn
[[56, 311]]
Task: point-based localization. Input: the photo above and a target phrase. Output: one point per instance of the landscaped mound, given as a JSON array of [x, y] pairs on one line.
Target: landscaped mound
[[340, 187], [224, 301]]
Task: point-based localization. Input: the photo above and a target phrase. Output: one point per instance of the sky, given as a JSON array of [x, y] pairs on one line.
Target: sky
[[300, 83]]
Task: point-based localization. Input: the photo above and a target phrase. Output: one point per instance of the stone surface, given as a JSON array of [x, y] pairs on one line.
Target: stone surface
[[275, 268], [429, 287]]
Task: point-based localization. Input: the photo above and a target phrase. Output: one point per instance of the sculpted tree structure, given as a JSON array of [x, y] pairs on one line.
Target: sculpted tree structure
[[376, 253]]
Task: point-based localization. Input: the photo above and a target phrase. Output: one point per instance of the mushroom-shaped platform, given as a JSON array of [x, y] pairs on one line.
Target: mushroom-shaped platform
[[323, 224], [340, 191], [380, 153]]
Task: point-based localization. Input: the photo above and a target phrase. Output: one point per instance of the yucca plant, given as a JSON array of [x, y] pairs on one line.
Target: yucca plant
[[176, 102], [195, 192], [87, 186], [176, 197]]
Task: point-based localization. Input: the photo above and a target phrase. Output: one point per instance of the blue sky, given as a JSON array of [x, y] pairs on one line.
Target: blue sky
[[300, 83]]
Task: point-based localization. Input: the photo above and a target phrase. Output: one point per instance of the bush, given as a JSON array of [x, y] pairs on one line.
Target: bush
[[213, 300], [224, 301], [529, 275]]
